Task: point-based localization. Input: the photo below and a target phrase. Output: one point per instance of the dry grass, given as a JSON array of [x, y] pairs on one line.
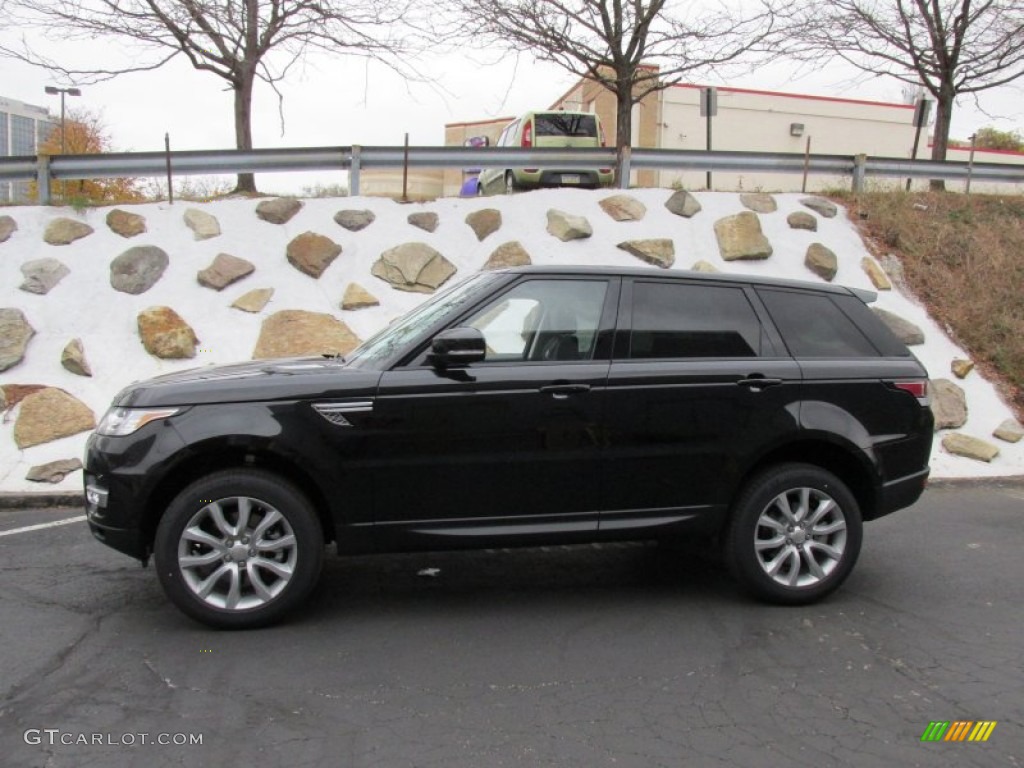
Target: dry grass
[[964, 258]]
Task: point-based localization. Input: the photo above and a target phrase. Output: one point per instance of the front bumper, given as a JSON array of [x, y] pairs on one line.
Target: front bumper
[[101, 520]]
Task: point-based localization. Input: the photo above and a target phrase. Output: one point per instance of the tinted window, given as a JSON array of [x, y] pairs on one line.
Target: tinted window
[[812, 325], [878, 333], [682, 320], [564, 124]]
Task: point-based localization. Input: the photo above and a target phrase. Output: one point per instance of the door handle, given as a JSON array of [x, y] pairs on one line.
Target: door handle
[[758, 382], [562, 391]]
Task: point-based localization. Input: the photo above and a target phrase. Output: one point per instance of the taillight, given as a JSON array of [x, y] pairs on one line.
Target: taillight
[[601, 133], [918, 388], [528, 133]]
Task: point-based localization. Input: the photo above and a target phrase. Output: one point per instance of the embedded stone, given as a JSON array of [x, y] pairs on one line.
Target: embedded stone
[[42, 274], [298, 333], [225, 270], [136, 270], [484, 222], [740, 237], [311, 253], [425, 220], [15, 333], [357, 297], [893, 269], [279, 210], [54, 471], [960, 368], [413, 267], [1010, 431], [203, 225], [354, 221], [64, 231], [8, 227], [802, 220], [821, 261], [48, 415], [759, 202], [623, 208], [15, 393], [682, 203], [567, 227], [704, 266], [510, 254], [905, 330], [660, 252], [165, 334], [875, 274], [969, 447], [126, 224], [949, 404], [253, 301], [820, 205], [73, 358]]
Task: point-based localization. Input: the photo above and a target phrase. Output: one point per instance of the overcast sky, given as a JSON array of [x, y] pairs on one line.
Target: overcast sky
[[342, 101]]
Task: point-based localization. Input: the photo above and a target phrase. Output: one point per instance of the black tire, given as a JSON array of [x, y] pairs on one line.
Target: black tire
[[779, 552], [280, 544], [510, 183]]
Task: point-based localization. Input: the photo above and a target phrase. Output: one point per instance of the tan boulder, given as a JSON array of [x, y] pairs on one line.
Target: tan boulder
[[623, 208], [413, 267], [298, 333], [660, 251], [50, 414], [740, 237], [8, 227], [682, 203], [165, 334], [53, 471], [821, 261], [510, 254], [759, 202], [802, 220], [254, 300], [225, 270], [15, 333], [125, 223], [704, 266], [73, 358], [203, 225], [567, 227], [905, 330], [64, 231], [820, 205], [354, 220], [357, 297], [969, 447], [875, 274], [279, 210], [949, 404], [425, 220], [1010, 431], [960, 368], [484, 222], [311, 253]]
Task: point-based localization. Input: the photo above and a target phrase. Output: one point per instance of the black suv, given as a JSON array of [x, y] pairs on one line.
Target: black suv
[[525, 407]]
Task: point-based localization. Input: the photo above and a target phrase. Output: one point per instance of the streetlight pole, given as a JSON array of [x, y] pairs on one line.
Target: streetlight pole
[[53, 91]]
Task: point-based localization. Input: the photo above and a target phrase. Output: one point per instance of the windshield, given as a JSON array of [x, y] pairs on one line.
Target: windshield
[[407, 327]]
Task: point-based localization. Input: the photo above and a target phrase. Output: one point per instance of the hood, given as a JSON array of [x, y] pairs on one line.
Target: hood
[[295, 378]]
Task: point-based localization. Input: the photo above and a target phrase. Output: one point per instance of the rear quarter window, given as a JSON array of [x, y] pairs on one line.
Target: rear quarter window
[[814, 324]]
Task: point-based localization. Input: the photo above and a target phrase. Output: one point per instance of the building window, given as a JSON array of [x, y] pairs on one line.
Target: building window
[[23, 135], [4, 147]]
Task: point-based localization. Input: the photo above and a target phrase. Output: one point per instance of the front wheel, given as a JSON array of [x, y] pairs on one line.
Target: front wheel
[[238, 549], [794, 535]]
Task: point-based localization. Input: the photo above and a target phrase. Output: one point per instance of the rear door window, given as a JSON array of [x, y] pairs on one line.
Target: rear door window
[[813, 325], [564, 124]]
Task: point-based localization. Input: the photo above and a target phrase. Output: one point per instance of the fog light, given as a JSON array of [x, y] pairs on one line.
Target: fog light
[[96, 497]]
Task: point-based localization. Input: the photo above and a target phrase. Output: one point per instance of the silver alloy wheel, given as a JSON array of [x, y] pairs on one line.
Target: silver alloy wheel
[[237, 553], [800, 537]]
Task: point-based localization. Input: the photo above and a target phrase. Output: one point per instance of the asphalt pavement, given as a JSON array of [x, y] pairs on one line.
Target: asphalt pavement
[[626, 655]]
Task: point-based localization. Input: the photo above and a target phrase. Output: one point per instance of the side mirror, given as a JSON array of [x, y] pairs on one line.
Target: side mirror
[[458, 347]]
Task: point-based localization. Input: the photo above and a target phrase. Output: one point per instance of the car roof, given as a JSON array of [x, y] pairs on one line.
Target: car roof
[[717, 277]]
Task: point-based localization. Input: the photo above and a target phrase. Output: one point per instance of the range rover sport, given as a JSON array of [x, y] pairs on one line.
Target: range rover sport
[[566, 405]]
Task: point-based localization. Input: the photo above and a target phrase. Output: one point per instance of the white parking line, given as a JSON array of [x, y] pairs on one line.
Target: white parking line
[[41, 526]]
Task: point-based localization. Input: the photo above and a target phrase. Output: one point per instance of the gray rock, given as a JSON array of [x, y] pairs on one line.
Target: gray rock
[[623, 208], [64, 231], [682, 203], [54, 471], [821, 261], [137, 270], [297, 333], [41, 275], [949, 404], [820, 205], [740, 237], [354, 221], [1009, 431], [311, 253], [73, 358], [8, 227], [413, 267], [759, 202], [802, 220], [225, 270], [893, 268], [567, 227], [425, 220], [50, 414], [659, 252], [510, 254], [484, 222], [704, 266], [905, 330], [969, 447], [279, 210], [357, 297], [126, 224], [203, 225], [253, 301], [165, 334], [15, 333]]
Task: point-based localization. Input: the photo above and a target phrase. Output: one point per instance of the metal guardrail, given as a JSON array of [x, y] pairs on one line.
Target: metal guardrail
[[353, 159]]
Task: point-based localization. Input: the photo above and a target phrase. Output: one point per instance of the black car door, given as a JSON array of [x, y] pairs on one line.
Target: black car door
[[509, 446]]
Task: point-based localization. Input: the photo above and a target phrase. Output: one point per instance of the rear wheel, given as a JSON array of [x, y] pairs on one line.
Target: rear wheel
[[238, 549], [510, 183], [794, 535]]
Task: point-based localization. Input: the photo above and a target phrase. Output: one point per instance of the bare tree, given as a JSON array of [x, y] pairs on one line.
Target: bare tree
[[610, 41], [951, 47], [240, 41]]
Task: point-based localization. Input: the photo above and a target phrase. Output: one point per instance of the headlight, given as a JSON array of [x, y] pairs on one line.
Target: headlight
[[118, 422]]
